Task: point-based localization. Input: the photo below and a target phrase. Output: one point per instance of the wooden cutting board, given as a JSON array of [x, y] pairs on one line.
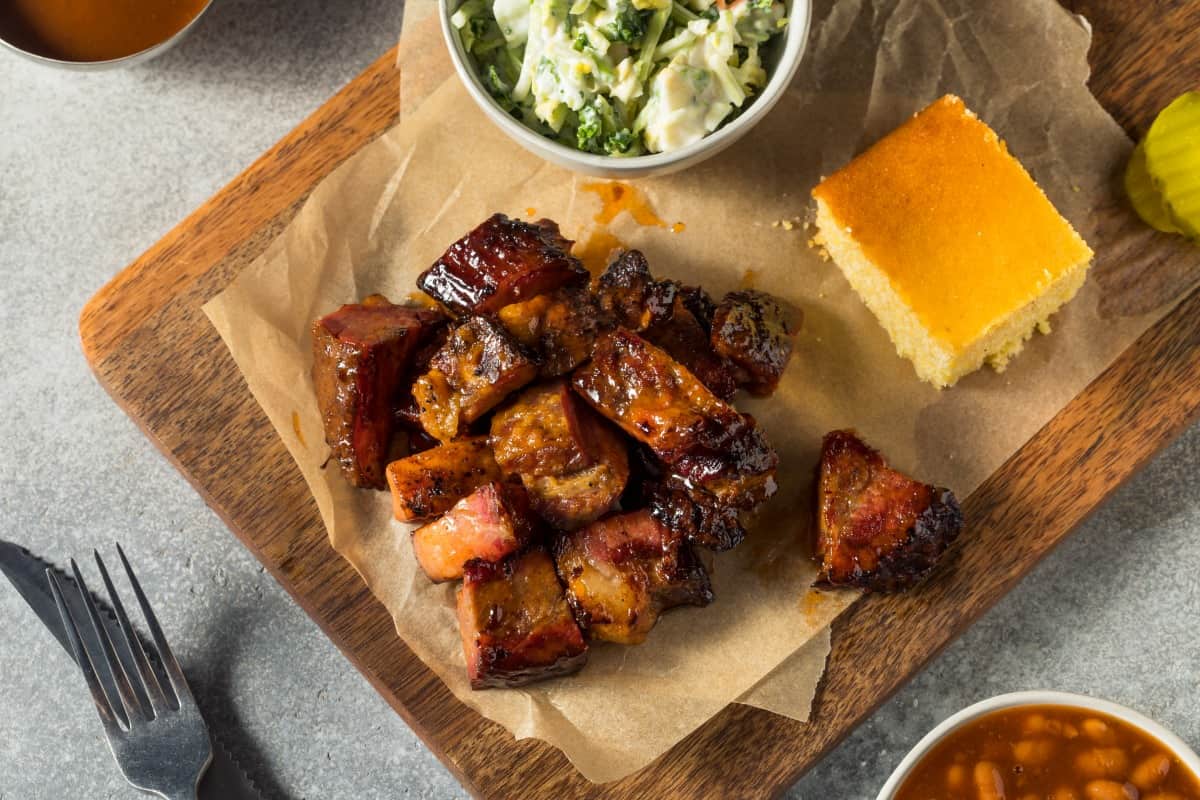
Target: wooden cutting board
[[154, 351]]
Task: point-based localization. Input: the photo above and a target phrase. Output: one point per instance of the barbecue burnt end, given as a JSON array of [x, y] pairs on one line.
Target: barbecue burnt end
[[560, 327], [490, 523], [474, 371], [361, 353], [658, 402], [515, 622], [756, 332], [877, 528], [623, 571], [573, 463], [500, 262], [629, 295], [427, 484]]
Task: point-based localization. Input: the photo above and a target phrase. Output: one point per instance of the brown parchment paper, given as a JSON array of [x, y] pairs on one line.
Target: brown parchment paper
[[389, 211]]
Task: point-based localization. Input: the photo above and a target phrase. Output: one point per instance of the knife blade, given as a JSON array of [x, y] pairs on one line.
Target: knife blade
[[225, 779]]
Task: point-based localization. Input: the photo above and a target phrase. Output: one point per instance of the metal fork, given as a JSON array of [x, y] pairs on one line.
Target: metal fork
[[154, 727]]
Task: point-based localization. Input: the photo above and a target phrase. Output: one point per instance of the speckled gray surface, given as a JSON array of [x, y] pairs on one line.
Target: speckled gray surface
[[93, 169]]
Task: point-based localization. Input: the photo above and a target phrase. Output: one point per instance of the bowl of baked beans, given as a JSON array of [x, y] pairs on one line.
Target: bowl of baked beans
[[1047, 746]]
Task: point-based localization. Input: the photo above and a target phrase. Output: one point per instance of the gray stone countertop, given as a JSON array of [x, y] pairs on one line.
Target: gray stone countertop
[[94, 168]]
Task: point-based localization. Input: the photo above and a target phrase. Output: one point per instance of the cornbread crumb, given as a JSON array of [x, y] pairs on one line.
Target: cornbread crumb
[[815, 242], [949, 242]]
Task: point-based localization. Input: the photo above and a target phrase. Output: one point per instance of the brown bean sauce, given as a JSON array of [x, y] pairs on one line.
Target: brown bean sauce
[[1049, 753]]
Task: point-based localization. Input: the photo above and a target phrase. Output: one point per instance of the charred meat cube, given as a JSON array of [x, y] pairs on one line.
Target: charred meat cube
[[573, 463], [700, 304], [756, 332], [560, 327], [687, 340], [694, 514], [477, 367], [427, 484], [408, 414], [624, 570], [492, 522], [877, 528], [576, 498], [515, 622], [408, 419], [360, 354], [656, 400], [547, 430], [674, 317], [629, 295], [502, 261]]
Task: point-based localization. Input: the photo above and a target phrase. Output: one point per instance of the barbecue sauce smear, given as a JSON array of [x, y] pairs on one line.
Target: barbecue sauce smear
[[93, 30], [616, 198]]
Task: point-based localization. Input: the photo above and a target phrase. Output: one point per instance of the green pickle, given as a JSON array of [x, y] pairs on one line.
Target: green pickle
[[1172, 150], [1143, 194]]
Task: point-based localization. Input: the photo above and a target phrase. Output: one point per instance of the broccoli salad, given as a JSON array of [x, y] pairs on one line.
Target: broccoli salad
[[620, 77]]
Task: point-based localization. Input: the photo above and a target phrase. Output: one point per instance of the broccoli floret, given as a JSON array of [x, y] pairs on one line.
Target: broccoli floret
[[619, 142], [629, 25], [762, 5], [479, 27], [581, 41], [587, 133], [711, 13], [498, 89], [495, 83]]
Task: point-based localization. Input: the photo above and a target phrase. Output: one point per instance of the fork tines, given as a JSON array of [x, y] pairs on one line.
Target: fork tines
[[143, 693]]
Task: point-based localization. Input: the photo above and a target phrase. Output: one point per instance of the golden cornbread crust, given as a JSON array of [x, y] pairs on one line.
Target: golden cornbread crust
[[949, 242]]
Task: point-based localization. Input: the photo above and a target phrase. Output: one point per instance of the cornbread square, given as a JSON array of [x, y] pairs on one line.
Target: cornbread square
[[949, 242]]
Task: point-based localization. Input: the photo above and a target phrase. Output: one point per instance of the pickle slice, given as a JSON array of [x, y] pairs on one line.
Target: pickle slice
[[1143, 194], [1173, 161]]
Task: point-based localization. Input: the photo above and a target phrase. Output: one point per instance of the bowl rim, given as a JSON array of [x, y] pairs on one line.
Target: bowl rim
[[1036, 698], [144, 54], [794, 45]]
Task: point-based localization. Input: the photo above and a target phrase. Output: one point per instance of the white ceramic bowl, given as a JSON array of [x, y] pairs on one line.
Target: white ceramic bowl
[[982, 708], [780, 69]]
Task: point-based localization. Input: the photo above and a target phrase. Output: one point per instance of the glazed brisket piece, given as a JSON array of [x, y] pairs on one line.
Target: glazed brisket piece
[[629, 295], [576, 498], [700, 304], [877, 528], [407, 412], [693, 513], [515, 622], [687, 340], [756, 332], [361, 353], [426, 484], [669, 315], [624, 570], [477, 367], [573, 463], [656, 400], [500, 262], [492, 522], [559, 327]]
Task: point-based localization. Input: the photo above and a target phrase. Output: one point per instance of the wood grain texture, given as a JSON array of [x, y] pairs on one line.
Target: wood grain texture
[[154, 351]]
